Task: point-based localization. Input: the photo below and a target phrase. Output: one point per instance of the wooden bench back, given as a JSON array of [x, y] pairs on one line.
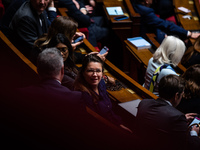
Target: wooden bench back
[[16, 69]]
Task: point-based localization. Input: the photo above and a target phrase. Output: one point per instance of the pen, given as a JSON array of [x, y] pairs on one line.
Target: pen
[[116, 11]]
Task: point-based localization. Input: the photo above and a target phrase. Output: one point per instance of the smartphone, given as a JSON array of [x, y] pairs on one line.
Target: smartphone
[[195, 120], [104, 50], [80, 38], [123, 17]]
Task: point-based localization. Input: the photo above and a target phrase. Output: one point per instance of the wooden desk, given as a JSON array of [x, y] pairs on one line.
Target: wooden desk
[[192, 24], [17, 70], [122, 28], [138, 61]]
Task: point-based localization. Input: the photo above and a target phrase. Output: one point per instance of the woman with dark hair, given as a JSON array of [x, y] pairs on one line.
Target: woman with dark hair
[[70, 70], [191, 98], [62, 24], [90, 82]]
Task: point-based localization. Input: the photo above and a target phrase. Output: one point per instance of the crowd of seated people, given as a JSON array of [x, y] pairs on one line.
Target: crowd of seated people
[[151, 23], [87, 86]]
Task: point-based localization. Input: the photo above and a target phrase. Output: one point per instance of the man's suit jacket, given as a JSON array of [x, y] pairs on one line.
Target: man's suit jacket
[[161, 126], [26, 24], [49, 115], [151, 23], [26, 28]]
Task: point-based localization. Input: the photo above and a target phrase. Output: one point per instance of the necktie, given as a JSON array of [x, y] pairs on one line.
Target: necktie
[[43, 22]]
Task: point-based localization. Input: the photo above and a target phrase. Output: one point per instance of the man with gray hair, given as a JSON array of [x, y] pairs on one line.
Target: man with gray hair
[[48, 111], [50, 64]]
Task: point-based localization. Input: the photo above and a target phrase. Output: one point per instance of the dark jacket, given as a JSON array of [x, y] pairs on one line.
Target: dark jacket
[[150, 23], [162, 126]]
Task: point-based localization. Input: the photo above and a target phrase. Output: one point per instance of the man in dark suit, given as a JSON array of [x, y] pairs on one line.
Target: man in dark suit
[[30, 22], [150, 23], [160, 125], [48, 115]]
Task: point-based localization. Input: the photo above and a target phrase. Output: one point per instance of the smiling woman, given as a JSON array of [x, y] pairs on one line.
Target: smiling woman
[[90, 82]]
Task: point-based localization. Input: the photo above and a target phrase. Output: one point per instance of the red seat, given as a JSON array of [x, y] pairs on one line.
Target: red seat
[[2, 9], [85, 31], [171, 18]]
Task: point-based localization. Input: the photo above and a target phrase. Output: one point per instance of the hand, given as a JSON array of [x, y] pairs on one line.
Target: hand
[[190, 116], [195, 128], [111, 80], [77, 34], [125, 128], [89, 8], [194, 35], [92, 3], [103, 56], [84, 11], [51, 3], [76, 4]]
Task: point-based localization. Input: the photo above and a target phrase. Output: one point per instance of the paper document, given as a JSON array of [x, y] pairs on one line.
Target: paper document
[[184, 9], [114, 10], [131, 106]]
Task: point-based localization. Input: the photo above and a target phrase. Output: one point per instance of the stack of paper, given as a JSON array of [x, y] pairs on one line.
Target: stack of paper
[[131, 106], [114, 10], [139, 42]]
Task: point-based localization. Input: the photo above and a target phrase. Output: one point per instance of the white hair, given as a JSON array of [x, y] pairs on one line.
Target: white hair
[[170, 51]]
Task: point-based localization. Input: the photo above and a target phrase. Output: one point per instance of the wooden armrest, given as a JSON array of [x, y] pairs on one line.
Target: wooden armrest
[[151, 37], [131, 9], [62, 11]]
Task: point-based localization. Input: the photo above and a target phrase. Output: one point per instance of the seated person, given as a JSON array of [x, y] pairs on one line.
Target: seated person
[[14, 6], [95, 24], [161, 125], [192, 54], [150, 23], [70, 70], [167, 56], [28, 24], [191, 98], [89, 81], [63, 25], [49, 106]]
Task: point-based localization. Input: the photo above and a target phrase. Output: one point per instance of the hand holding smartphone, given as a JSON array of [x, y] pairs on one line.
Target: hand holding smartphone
[[80, 38], [104, 50]]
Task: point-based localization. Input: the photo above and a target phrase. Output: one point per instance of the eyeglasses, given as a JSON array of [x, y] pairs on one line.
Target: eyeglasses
[[63, 49], [98, 71]]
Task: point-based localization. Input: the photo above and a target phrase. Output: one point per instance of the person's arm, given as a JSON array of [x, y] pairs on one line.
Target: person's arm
[[83, 20], [51, 11], [150, 19], [26, 29]]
